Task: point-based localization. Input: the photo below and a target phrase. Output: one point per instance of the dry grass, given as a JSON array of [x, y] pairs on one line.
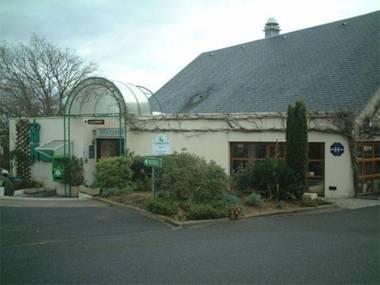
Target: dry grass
[[138, 199], [270, 207]]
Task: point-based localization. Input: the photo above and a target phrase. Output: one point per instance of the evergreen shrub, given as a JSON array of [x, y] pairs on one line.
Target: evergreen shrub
[[263, 176], [73, 171], [188, 177], [140, 173], [114, 172]]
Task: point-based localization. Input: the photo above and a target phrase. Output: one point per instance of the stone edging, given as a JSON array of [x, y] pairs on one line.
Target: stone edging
[[175, 223]]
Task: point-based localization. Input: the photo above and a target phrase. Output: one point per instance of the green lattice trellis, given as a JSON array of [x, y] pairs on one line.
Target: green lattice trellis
[[23, 154]]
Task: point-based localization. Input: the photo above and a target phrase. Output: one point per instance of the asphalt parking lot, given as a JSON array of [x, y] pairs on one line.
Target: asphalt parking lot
[[91, 243]]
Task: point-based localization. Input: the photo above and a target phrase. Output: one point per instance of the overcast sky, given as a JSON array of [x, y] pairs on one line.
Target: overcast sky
[[147, 42]]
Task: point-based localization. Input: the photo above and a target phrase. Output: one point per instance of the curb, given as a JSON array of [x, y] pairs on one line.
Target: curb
[[42, 198], [290, 211], [143, 212], [185, 224]]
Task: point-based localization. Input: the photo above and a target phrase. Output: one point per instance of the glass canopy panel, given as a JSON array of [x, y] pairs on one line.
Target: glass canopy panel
[[101, 97], [94, 99], [52, 148], [136, 100]]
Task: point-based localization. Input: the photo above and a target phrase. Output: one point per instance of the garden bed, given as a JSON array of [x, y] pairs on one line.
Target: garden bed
[[139, 199], [270, 207]]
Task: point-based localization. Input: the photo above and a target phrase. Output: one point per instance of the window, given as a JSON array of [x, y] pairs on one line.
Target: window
[[369, 166], [242, 153]]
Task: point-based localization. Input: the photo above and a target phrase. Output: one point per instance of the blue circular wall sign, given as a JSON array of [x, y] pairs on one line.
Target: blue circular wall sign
[[337, 149]]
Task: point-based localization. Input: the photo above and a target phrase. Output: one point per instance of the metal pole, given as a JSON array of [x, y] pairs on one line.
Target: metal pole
[[153, 190]]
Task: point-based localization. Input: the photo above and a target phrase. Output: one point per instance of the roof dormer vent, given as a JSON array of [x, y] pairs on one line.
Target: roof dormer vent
[[272, 28]]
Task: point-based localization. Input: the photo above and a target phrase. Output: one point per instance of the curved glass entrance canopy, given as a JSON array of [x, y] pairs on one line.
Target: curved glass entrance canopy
[[97, 96], [100, 97]]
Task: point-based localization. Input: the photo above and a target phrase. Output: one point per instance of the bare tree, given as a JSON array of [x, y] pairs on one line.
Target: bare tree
[[35, 78]]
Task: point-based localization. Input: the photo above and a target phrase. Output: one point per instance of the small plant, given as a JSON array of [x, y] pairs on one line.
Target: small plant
[[234, 213], [280, 204], [73, 171], [254, 199], [232, 199], [162, 207]]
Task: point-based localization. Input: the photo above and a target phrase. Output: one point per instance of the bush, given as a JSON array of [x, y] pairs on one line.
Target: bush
[[232, 199], [162, 207], [254, 199], [187, 177], [114, 172], [73, 171], [140, 173], [9, 186], [205, 211], [263, 177], [244, 179]]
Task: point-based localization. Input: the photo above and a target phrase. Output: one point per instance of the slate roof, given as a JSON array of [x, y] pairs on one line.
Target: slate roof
[[332, 66]]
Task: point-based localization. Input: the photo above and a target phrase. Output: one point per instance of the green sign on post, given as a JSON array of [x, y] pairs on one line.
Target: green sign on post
[[154, 162]]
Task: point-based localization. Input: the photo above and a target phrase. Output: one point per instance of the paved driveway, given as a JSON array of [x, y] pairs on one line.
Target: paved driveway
[[102, 244]]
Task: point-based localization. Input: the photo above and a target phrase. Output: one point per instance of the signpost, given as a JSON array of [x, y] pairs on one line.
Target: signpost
[[337, 149], [153, 162]]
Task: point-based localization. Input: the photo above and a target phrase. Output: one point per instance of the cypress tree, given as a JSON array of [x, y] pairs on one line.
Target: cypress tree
[[301, 141], [297, 150], [290, 137]]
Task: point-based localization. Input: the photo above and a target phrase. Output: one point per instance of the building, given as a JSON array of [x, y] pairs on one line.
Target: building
[[229, 106]]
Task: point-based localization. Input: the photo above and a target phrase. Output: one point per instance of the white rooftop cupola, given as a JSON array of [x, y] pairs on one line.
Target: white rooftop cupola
[[272, 28]]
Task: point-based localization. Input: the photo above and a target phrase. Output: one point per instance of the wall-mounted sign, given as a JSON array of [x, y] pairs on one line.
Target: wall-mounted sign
[[109, 133], [161, 145], [95, 122], [337, 149]]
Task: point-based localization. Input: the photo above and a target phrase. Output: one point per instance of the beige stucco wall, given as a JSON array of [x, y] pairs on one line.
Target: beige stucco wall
[[215, 145], [208, 137], [82, 136]]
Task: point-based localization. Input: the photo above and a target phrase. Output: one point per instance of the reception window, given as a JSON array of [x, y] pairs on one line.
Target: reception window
[[369, 166]]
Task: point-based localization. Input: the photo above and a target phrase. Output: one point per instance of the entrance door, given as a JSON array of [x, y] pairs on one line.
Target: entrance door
[[107, 148]]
